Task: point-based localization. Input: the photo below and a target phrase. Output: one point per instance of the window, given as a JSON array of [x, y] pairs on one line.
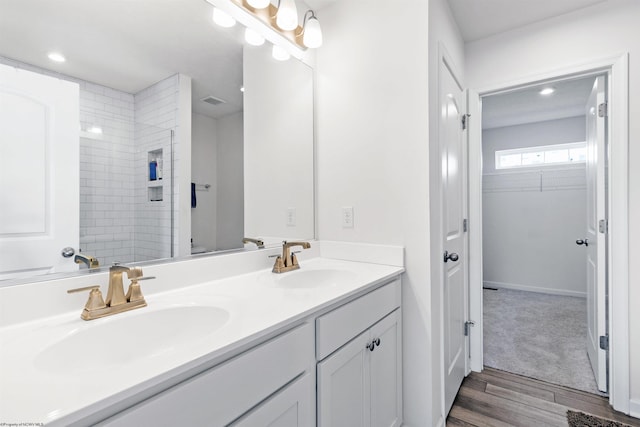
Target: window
[[561, 154]]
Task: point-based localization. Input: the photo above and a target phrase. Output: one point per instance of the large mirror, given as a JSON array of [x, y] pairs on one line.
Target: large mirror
[[179, 138]]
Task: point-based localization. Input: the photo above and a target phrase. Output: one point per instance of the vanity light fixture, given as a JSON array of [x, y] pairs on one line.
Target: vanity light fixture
[[276, 24], [311, 31], [252, 37], [547, 91], [279, 53], [287, 15], [223, 18], [56, 57]]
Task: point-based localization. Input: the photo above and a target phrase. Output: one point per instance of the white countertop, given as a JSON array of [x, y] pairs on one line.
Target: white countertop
[[34, 389]]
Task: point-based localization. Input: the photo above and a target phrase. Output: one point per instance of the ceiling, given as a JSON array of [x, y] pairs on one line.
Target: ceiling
[[482, 18], [528, 105], [129, 44]]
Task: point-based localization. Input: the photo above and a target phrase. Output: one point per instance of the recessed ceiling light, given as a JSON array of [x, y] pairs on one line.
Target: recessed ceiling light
[[56, 57], [242, 89], [547, 91]]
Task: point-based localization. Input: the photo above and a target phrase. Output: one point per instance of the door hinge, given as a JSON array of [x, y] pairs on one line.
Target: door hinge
[[465, 225], [604, 342], [603, 226], [603, 110], [467, 326], [465, 121]]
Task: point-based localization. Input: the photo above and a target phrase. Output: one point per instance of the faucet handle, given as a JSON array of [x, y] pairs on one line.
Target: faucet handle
[[95, 300], [86, 288], [134, 293]]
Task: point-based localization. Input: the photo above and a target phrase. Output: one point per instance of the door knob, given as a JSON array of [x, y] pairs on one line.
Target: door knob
[[450, 256], [67, 252], [582, 242]]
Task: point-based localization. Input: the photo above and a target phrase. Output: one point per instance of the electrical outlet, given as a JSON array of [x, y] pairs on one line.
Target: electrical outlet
[[291, 217], [347, 217]]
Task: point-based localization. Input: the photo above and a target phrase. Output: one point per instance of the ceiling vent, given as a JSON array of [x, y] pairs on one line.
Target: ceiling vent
[[213, 100]]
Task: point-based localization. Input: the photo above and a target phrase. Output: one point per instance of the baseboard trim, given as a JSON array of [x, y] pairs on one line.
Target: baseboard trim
[[634, 408], [517, 287]]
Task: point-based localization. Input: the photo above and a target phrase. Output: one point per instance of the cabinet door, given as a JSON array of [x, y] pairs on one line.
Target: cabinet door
[[343, 386], [386, 372], [291, 407]]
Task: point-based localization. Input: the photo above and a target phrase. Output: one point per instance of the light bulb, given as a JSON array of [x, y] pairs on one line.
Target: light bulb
[[258, 4], [223, 18], [253, 38], [312, 37], [56, 57], [279, 53], [287, 16]]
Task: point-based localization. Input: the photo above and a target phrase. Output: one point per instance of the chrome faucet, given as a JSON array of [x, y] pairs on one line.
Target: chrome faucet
[[116, 301], [92, 262], [258, 242], [288, 261]]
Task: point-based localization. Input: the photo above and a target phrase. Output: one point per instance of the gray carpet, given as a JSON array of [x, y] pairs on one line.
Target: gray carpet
[[538, 335]]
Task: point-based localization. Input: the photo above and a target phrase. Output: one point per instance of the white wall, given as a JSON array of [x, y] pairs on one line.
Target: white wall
[[373, 154], [595, 32], [230, 204], [532, 217], [278, 145], [204, 169]]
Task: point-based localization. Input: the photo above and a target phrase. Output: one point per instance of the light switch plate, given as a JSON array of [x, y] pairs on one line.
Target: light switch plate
[[291, 217], [347, 217]]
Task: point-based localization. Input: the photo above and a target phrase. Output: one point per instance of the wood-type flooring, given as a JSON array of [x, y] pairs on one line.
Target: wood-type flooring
[[496, 398]]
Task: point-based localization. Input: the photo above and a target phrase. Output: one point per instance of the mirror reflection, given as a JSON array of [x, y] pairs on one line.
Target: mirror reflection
[[141, 144]]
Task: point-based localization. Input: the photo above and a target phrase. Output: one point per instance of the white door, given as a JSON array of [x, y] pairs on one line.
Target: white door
[[453, 202], [595, 239], [39, 204]]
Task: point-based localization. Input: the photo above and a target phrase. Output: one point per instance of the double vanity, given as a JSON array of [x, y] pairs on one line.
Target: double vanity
[[223, 340]]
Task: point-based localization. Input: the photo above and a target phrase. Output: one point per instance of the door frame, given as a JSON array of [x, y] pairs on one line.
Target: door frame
[[617, 70]]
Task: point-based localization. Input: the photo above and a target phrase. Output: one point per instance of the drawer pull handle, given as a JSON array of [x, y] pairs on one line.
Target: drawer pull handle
[[377, 341], [371, 346]]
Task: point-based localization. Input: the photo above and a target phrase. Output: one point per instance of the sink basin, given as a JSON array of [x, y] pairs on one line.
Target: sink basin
[[117, 340], [306, 279]]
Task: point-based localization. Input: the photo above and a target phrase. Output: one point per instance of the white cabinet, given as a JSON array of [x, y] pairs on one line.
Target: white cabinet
[[343, 382], [361, 383], [291, 407], [224, 393], [357, 379], [386, 372]]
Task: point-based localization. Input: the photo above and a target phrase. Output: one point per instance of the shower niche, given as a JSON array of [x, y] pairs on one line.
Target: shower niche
[[155, 175]]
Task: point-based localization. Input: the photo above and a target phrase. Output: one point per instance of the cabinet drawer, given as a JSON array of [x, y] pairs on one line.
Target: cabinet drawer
[[339, 326], [225, 392]]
